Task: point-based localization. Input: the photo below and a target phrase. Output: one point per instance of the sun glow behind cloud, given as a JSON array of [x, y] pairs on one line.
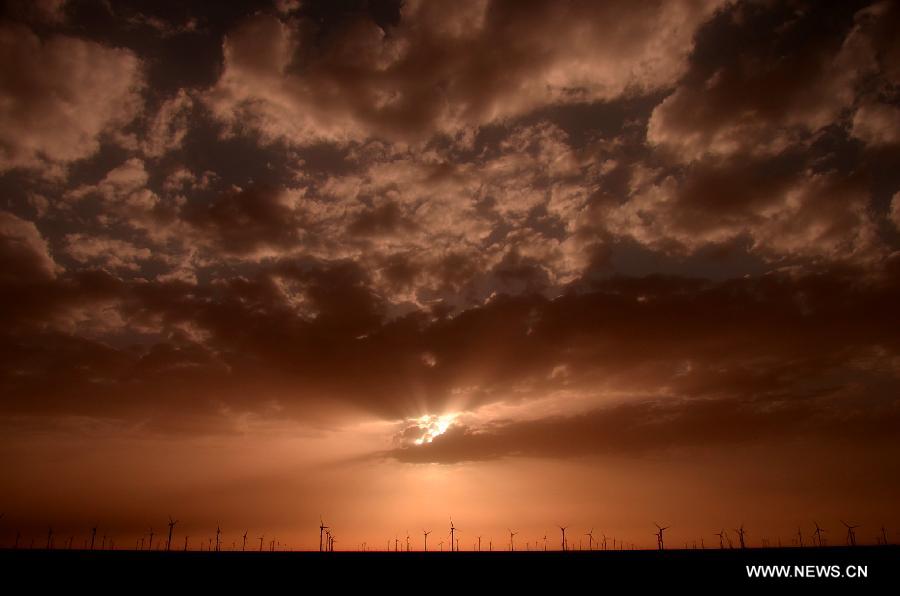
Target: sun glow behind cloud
[[433, 426]]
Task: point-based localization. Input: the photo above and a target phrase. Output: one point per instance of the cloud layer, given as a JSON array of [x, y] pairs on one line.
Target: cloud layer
[[628, 224]]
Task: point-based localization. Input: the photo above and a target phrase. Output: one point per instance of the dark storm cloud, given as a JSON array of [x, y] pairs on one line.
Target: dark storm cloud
[[403, 209], [244, 221], [442, 69], [648, 427], [779, 206], [308, 334], [23, 252], [46, 83], [766, 79]]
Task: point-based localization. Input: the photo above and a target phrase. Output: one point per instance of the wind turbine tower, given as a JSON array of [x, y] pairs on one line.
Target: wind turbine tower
[[172, 523]]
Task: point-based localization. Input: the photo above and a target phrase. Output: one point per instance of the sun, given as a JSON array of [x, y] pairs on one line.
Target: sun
[[433, 426]]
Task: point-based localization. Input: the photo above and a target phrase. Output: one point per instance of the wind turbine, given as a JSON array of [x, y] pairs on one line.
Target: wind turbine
[[479, 542], [186, 543], [564, 543], [261, 542], [426, 538], [150, 544], [244, 543], [740, 532], [818, 533], [512, 543], [218, 533], [93, 535], [172, 523], [660, 543], [851, 535], [407, 541], [322, 528], [721, 536], [452, 534], [590, 536]]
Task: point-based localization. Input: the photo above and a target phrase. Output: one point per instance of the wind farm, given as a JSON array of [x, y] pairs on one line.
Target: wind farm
[[610, 556], [326, 541]]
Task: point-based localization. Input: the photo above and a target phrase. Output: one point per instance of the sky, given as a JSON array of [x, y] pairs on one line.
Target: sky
[[527, 264]]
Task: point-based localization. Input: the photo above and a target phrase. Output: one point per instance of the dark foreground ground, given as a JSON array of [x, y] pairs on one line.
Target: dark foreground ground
[[464, 571]]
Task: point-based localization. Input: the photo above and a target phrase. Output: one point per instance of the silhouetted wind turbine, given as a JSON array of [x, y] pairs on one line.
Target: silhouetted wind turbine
[[479, 541], [721, 536], [426, 538], [740, 532], [261, 542], [818, 533], [590, 536], [322, 528], [218, 533], [512, 543], [244, 543], [452, 534], [563, 530], [851, 535], [172, 523], [93, 535], [150, 544], [186, 543], [659, 536]]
